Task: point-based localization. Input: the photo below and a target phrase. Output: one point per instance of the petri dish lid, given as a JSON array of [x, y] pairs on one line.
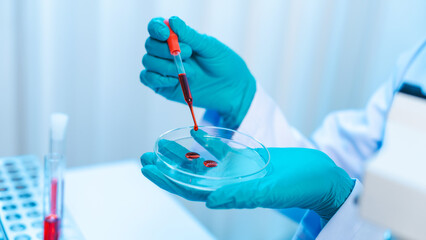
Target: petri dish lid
[[225, 156]]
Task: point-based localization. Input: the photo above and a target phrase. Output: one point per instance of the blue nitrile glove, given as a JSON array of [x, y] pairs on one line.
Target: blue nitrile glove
[[218, 78], [298, 177]]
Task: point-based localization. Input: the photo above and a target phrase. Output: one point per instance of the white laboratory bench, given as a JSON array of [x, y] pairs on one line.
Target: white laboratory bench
[[115, 201]]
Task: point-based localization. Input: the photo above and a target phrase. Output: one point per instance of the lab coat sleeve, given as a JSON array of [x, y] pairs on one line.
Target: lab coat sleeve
[[349, 137], [265, 122], [345, 224], [341, 226]]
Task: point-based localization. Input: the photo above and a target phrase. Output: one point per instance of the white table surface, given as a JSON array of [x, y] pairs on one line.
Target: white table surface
[[115, 201]]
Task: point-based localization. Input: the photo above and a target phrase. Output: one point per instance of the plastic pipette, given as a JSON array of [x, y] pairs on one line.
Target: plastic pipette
[[174, 48]]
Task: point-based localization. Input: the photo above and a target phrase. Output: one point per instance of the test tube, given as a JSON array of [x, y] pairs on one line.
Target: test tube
[[54, 165]]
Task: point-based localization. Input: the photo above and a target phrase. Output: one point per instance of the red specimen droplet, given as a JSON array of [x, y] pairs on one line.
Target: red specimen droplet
[[210, 163], [192, 155]]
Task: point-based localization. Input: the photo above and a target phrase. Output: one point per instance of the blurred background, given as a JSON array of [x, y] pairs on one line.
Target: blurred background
[[83, 58]]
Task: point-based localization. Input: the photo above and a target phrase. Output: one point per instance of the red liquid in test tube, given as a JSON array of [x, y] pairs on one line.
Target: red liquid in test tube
[[51, 227], [52, 222], [53, 195]]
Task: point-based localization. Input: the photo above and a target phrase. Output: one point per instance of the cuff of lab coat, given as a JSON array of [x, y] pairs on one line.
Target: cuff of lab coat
[[348, 224], [345, 222]]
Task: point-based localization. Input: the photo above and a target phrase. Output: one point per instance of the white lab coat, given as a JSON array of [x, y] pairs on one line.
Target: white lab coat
[[349, 137]]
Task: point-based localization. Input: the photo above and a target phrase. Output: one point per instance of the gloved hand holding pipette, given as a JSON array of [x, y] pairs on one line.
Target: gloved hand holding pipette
[[219, 79]]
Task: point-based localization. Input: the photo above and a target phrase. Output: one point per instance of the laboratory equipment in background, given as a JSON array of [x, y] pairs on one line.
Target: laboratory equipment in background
[[174, 48], [54, 165], [394, 193], [21, 194], [21, 202], [20, 205], [210, 158]]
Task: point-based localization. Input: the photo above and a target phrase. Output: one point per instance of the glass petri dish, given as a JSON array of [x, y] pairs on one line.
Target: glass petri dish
[[226, 156]]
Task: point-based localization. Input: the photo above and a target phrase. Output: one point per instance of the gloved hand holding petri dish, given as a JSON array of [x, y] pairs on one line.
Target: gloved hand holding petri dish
[[229, 169]]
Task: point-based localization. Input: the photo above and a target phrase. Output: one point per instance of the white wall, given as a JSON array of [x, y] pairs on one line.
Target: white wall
[[84, 58], [8, 97]]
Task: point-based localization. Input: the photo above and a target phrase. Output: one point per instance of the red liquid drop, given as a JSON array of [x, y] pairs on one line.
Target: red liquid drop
[[51, 227], [187, 95], [210, 163], [192, 155]]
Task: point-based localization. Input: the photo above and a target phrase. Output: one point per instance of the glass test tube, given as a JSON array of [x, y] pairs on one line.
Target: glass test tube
[[54, 165]]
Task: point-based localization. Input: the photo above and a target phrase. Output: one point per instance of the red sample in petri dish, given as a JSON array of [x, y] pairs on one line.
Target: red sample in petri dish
[[210, 163], [51, 227], [192, 155]]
